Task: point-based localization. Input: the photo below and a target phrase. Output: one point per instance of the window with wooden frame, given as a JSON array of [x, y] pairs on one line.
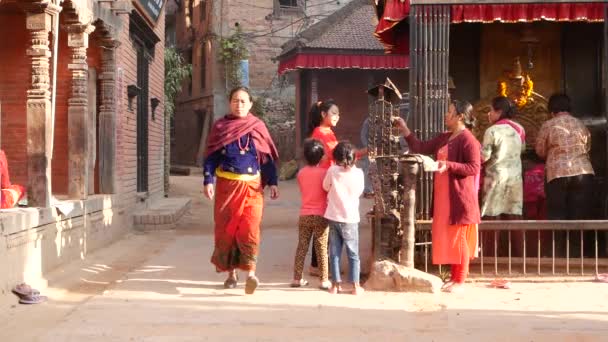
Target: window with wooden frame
[[288, 3]]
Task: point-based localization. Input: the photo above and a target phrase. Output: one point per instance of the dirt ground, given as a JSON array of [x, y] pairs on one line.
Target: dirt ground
[[160, 286]]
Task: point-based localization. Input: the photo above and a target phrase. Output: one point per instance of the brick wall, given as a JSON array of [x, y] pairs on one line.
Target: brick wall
[[189, 122], [271, 30], [126, 147], [14, 82]]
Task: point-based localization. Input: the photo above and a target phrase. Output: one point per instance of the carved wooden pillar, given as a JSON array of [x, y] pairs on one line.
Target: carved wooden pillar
[[78, 127], [107, 119], [39, 130]]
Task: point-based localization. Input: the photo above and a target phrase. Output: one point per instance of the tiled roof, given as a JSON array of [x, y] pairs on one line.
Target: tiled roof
[[349, 28]]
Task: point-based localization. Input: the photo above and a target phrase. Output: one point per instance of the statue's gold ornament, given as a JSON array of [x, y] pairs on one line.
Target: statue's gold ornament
[[531, 107]]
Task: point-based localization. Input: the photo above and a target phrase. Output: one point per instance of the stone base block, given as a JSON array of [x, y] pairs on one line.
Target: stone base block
[[389, 276], [162, 214]]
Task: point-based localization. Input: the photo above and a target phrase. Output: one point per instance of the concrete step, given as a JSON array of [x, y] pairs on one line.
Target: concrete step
[[161, 214]]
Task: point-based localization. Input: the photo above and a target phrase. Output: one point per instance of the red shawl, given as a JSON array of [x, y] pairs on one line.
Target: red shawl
[[230, 128]]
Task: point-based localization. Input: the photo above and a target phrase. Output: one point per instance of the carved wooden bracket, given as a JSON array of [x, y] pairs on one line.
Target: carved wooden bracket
[[154, 102], [132, 92]]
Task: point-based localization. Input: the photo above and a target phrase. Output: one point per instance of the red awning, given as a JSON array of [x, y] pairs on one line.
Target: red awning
[[335, 61], [392, 28], [586, 12]]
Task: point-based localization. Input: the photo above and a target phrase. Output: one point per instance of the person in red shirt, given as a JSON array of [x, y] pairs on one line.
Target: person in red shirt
[[323, 117]]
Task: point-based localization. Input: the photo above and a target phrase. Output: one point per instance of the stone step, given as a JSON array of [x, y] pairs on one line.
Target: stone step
[[161, 214]]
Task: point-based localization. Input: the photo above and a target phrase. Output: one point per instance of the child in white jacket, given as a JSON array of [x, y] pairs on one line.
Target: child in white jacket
[[344, 185]]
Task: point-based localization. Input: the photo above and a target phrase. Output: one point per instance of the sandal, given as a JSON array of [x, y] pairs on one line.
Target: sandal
[[32, 299], [232, 281], [325, 285], [251, 284], [299, 283], [358, 290], [23, 289], [500, 283], [335, 289], [447, 284], [602, 278], [455, 288]]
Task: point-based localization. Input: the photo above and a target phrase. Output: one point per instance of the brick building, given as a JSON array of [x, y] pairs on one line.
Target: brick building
[[267, 25], [81, 95]]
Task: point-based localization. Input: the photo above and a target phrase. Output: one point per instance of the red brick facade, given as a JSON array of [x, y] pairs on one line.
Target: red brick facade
[[268, 27], [16, 80]]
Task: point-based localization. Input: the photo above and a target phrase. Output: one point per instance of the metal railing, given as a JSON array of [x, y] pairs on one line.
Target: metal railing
[[530, 248]]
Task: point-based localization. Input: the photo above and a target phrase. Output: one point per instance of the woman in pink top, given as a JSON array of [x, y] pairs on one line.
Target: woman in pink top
[[312, 224]]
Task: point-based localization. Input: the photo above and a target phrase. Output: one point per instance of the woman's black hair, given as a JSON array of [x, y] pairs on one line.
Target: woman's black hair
[[314, 116], [344, 154], [240, 88], [559, 103], [313, 151], [505, 106], [465, 109]]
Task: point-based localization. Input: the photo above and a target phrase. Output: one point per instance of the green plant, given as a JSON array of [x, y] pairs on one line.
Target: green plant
[[232, 50], [176, 70]]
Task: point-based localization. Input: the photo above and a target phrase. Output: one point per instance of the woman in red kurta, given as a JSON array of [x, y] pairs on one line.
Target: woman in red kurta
[[324, 116], [455, 205]]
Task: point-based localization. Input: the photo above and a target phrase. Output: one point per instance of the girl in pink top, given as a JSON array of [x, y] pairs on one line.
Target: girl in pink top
[[344, 184], [312, 224]]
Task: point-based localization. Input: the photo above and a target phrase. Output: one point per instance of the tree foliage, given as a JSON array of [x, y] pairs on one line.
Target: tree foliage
[[176, 70], [232, 50]]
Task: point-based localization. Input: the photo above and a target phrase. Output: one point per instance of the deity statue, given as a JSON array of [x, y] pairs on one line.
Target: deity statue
[[531, 107]]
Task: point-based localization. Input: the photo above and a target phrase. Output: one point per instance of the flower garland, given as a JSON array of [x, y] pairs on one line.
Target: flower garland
[[526, 91]]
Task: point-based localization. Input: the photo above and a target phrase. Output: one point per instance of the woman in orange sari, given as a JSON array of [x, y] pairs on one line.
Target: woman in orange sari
[[455, 203], [240, 159]]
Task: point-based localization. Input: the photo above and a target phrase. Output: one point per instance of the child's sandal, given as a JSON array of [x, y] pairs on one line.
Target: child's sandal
[[299, 283]]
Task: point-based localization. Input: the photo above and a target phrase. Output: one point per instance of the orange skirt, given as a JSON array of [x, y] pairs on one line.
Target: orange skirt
[[238, 213], [449, 240]]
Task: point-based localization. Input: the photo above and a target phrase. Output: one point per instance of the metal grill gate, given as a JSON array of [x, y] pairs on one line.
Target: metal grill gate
[[429, 63], [142, 120]]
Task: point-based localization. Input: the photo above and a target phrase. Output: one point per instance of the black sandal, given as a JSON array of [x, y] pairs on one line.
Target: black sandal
[[232, 281]]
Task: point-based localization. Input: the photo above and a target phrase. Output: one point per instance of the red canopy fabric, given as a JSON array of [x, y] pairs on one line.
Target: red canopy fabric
[[392, 30], [512, 13], [337, 61]]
